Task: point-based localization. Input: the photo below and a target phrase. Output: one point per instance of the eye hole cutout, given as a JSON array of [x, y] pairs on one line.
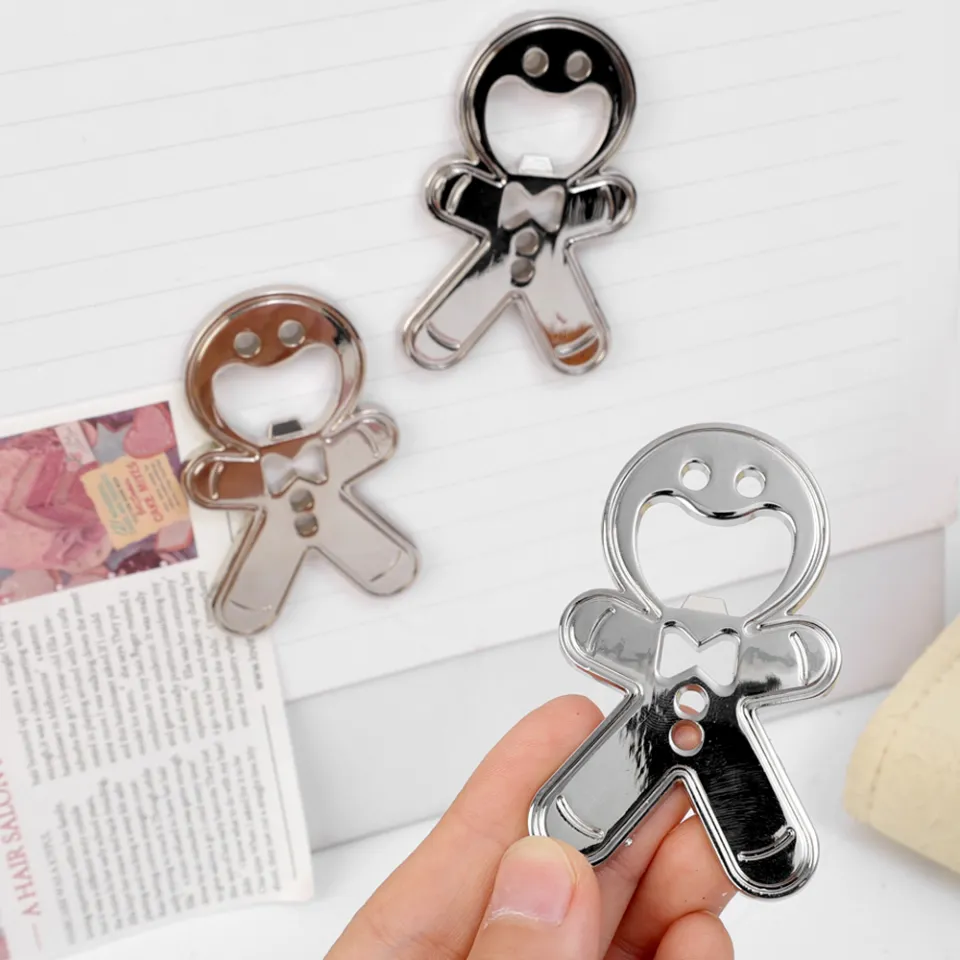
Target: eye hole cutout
[[291, 333], [691, 702], [750, 483], [578, 66], [535, 62], [686, 738], [246, 344], [695, 475]]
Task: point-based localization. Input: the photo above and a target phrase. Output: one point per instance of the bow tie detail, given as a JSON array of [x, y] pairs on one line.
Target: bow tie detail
[[717, 657], [309, 464], [518, 206]]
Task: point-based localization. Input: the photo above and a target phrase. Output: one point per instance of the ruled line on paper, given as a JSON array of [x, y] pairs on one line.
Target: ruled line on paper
[[625, 152], [881, 268], [427, 231], [557, 566], [667, 356], [407, 374], [648, 151], [257, 82], [686, 350], [299, 171], [792, 32], [296, 24], [548, 553], [658, 397], [407, 55], [401, 502], [751, 415], [406, 242], [393, 104], [616, 240], [255, 32], [653, 356], [617, 364], [410, 413], [440, 97], [335, 587], [612, 245], [828, 55]]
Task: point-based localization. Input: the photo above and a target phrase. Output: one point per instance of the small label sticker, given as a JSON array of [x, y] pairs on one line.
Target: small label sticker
[[135, 498]]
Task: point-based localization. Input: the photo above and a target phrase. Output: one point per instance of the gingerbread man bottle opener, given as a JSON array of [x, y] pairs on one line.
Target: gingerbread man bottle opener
[[684, 723], [525, 224], [297, 485]]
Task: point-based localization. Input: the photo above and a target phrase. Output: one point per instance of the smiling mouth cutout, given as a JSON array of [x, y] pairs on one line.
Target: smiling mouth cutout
[[275, 403], [534, 133]]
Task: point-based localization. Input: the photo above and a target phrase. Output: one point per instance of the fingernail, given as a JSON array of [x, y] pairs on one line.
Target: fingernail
[[535, 882]]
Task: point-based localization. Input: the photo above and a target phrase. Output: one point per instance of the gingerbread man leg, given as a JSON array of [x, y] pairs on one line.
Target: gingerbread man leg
[[362, 545], [260, 572], [351, 535], [752, 818], [563, 314], [572, 809], [611, 638], [458, 313]]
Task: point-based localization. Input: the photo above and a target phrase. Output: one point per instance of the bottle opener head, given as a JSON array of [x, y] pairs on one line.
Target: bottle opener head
[[555, 55], [262, 331], [681, 723], [296, 486], [722, 475]]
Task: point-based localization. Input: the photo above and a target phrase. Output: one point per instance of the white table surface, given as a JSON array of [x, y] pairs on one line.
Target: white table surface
[[869, 898]]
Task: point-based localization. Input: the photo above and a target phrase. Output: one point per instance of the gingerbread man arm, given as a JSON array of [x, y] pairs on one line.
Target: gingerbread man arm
[[598, 206], [219, 479], [789, 659], [455, 190], [749, 809], [610, 637], [363, 442], [258, 577]]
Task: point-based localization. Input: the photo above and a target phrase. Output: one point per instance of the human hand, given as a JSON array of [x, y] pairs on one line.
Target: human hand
[[478, 888]]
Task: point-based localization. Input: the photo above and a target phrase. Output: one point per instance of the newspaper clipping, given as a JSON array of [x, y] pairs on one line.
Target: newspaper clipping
[[145, 765]]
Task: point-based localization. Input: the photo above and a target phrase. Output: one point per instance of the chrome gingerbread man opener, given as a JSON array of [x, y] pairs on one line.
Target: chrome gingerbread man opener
[[685, 724], [297, 486], [525, 224]]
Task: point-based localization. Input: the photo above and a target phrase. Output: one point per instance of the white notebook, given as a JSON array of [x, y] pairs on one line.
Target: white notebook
[[792, 266]]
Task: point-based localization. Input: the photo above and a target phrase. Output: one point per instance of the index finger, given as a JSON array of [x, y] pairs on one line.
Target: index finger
[[433, 903]]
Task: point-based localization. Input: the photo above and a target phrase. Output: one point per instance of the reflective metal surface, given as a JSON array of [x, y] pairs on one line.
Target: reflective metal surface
[[297, 487], [525, 224], [683, 723]]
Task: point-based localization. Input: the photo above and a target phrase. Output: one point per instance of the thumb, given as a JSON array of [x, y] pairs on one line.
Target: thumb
[[545, 905]]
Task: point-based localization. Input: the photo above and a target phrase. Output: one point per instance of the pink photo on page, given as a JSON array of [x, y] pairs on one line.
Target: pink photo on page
[[91, 500]]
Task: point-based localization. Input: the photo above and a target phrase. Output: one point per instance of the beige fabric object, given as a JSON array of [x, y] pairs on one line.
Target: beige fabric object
[[904, 777]]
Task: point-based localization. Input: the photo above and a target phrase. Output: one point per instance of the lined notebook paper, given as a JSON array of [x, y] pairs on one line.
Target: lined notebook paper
[[791, 266]]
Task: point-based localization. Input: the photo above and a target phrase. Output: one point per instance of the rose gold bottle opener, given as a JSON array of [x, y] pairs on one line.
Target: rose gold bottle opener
[[297, 486]]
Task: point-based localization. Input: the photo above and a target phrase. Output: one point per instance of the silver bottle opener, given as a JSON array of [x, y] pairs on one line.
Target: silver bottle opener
[[525, 224], [685, 725], [297, 487]]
